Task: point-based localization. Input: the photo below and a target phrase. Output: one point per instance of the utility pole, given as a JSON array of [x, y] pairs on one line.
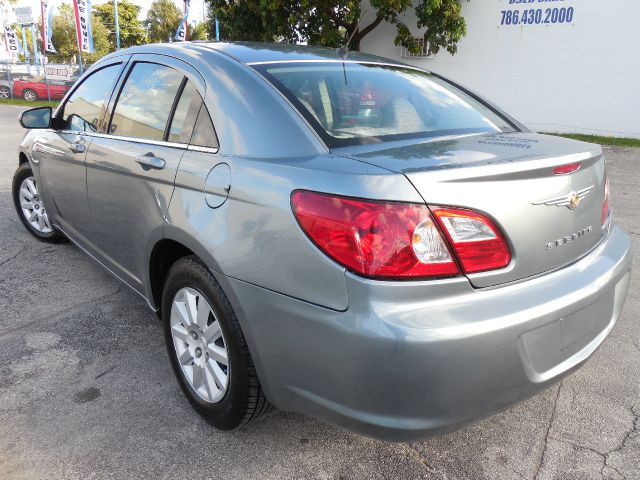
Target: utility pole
[[115, 15]]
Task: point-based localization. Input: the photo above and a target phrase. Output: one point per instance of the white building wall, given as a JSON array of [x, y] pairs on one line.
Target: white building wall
[[582, 76]]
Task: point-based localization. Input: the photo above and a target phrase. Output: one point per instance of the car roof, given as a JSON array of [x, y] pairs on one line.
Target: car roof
[[256, 52]]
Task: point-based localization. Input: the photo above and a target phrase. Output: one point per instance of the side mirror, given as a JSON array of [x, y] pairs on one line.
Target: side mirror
[[36, 118]]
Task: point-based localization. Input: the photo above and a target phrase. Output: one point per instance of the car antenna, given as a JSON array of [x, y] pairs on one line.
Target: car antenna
[[344, 50]]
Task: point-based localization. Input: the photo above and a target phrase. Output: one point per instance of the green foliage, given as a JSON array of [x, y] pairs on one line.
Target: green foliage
[[31, 104], [331, 22], [612, 141], [163, 19], [198, 31], [132, 31], [65, 40]]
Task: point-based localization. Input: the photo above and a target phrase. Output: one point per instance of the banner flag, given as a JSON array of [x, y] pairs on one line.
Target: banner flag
[[47, 17], [12, 40], [181, 33], [83, 25]]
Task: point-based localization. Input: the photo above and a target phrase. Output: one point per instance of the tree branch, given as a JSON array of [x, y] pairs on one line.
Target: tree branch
[[366, 30]]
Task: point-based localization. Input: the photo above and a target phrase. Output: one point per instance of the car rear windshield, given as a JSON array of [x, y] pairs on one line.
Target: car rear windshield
[[352, 103]]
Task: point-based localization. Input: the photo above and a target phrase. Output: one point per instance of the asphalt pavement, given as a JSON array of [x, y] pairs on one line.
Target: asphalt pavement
[[86, 390]]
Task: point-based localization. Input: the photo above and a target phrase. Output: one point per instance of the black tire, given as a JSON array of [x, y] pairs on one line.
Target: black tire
[[5, 92], [26, 93], [24, 171], [244, 399]]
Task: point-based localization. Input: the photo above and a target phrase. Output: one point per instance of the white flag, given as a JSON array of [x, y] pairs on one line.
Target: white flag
[[83, 24], [47, 16], [12, 40]]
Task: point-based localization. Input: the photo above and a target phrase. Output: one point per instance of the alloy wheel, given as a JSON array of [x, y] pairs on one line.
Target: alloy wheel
[[5, 92], [32, 206], [30, 95], [200, 345]]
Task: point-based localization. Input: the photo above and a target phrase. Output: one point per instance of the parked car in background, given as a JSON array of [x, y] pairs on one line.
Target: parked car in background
[[35, 88], [5, 89], [351, 238], [6, 85]]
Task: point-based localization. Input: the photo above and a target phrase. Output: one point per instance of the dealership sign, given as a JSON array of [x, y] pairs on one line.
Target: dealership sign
[[524, 13], [58, 72], [24, 15]]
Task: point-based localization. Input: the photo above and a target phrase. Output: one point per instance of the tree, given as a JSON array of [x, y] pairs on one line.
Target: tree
[[131, 30], [163, 19], [198, 31], [64, 37], [332, 22]]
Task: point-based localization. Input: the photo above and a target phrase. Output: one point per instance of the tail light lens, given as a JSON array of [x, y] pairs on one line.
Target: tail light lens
[[375, 239], [399, 240], [477, 241], [605, 204]]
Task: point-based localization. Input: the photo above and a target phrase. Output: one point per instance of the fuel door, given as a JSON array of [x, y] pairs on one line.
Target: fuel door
[[217, 185]]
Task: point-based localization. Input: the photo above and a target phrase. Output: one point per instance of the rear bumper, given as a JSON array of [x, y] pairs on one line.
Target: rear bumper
[[407, 360]]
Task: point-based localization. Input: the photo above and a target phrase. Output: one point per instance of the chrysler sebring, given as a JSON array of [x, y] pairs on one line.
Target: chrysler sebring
[[348, 237]]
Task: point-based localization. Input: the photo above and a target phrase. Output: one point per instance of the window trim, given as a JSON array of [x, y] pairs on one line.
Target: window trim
[[172, 112]]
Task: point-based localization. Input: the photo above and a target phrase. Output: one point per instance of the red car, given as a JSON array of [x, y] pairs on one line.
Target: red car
[[36, 88]]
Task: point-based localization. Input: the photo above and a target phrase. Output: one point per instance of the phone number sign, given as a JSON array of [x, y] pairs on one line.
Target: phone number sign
[[536, 12]]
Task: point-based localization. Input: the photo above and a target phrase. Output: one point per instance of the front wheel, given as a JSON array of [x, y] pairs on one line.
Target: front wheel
[[5, 92], [29, 206], [30, 95], [207, 348]]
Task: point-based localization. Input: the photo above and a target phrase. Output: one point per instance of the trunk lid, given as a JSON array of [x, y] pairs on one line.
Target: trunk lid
[[510, 177]]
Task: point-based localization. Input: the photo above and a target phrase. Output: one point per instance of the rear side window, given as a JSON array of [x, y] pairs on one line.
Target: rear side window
[[204, 135], [185, 114], [82, 110], [145, 101]]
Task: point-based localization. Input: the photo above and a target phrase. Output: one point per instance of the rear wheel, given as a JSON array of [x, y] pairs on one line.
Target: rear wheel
[[208, 351], [30, 95], [29, 206]]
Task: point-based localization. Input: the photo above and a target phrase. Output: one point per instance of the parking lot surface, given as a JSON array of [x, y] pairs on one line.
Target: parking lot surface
[[86, 390]]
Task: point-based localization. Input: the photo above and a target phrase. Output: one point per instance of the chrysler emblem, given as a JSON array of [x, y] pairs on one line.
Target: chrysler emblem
[[570, 200], [575, 201]]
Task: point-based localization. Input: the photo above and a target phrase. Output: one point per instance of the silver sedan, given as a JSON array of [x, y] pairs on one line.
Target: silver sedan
[[359, 240]]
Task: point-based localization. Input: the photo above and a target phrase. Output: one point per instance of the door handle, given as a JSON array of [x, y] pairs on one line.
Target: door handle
[[150, 161], [77, 147]]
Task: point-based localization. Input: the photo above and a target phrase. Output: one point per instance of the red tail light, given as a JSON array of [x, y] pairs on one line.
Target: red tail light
[[568, 168], [477, 242], [375, 239], [605, 204], [399, 240]]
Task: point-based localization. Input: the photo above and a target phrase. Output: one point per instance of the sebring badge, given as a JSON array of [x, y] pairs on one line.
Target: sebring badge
[[570, 200], [569, 238]]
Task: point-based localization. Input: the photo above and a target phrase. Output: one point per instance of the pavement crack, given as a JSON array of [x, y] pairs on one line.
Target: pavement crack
[[546, 435], [108, 370], [634, 428], [418, 456], [57, 315], [583, 447], [12, 257]]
